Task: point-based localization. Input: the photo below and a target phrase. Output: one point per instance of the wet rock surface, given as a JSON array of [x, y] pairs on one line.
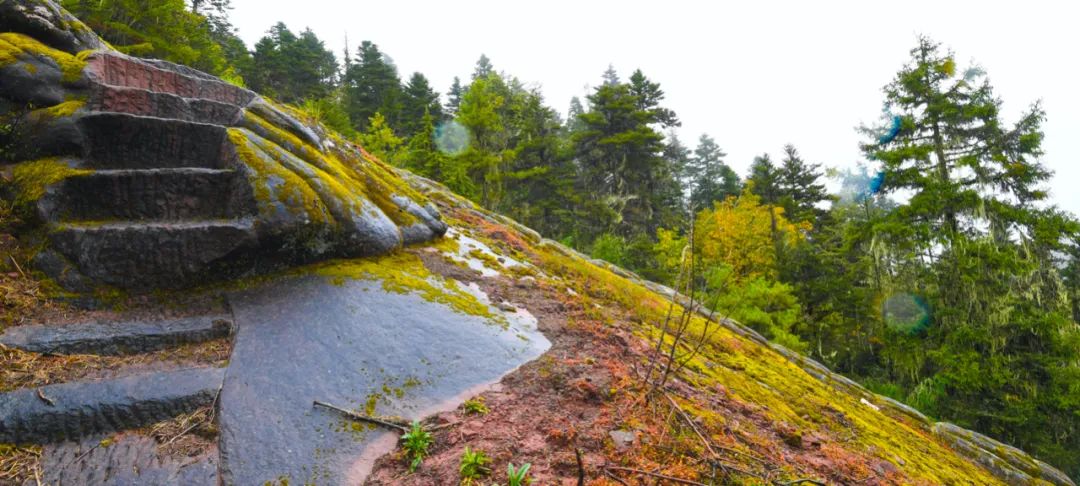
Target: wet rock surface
[[116, 337], [129, 460], [74, 410], [356, 346]]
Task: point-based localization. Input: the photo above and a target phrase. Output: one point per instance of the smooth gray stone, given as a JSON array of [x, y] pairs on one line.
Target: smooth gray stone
[[83, 408], [307, 339], [116, 337]]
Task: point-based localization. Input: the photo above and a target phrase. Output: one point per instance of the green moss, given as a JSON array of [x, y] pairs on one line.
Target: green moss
[[367, 178], [403, 273], [14, 45], [272, 182], [31, 178]]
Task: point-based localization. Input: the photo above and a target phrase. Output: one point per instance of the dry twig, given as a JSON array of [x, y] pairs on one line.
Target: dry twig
[[655, 475], [385, 422]]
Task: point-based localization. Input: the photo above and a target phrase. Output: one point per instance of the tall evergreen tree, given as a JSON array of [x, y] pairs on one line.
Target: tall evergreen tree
[[764, 179], [292, 68], [573, 115], [483, 68], [453, 97], [418, 98], [1001, 344], [801, 189], [710, 178], [620, 150], [372, 86]]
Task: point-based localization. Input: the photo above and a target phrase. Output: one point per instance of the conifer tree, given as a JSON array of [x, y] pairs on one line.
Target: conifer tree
[[1001, 344], [710, 178], [372, 85], [800, 187]]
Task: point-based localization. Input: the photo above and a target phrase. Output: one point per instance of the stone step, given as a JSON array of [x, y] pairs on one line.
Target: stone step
[[113, 338], [74, 410], [139, 255], [124, 141], [138, 101], [118, 69], [149, 194], [130, 460]]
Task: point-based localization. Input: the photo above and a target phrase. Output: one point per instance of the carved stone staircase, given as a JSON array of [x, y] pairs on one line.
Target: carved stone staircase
[[164, 202]]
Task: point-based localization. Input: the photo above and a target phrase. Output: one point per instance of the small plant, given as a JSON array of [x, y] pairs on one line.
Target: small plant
[[519, 476], [473, 465], [476, 406], [416, 442]]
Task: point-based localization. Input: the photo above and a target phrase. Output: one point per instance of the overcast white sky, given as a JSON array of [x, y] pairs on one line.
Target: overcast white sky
[[754, 75]]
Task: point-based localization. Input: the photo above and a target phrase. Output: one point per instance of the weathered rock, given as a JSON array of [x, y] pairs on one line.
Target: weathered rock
[[116, 337], [166, 188], [129, 460], [143, 255], [1010, 464], [149, 194], [74, 410], [347, 343]]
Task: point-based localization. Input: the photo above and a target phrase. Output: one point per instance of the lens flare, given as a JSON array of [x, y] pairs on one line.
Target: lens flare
[[905, 313], [451, 137]]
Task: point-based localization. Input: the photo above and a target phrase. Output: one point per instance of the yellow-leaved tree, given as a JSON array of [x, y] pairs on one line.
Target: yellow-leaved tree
[[744, 235]]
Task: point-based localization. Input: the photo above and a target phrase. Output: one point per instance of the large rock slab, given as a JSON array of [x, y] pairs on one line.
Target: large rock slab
[[348, 343]]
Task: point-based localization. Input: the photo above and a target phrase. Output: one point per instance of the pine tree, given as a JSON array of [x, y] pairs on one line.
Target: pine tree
[[372, 85], [710, 178], [418, 98], [483, 68], [764, 180], [1001, 343], [620, 153], [573, 115], [292, 68], [800, 189], [453, 102]]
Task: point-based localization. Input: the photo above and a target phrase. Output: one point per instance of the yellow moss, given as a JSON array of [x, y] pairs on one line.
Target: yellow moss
[[292, 190], [31, 178], [61, 110], [369, 179], [778, 388], [486, 258], [14, 45], [403, 273]]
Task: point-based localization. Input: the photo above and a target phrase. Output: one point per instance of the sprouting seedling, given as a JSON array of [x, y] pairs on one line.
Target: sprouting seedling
[[476, 406], [519, 476], [473, 465], [416, 442]]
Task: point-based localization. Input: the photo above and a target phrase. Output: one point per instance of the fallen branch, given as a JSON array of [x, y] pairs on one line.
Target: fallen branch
[[655, 475], [17, 267], [799, 481], [404, 428], [686, 418], [614, 477]]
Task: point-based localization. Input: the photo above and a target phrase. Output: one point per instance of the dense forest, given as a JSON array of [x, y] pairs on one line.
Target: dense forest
[[939, 274]]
